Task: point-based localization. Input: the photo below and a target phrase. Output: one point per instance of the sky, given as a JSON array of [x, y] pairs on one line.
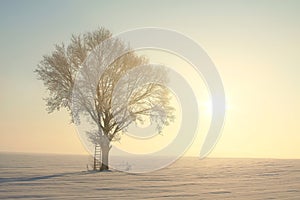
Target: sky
[[254, 44]]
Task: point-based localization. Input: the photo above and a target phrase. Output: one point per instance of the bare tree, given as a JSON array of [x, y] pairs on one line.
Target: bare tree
[[111, 101]]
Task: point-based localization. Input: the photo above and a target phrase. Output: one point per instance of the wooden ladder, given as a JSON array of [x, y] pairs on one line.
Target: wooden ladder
[[97, 157]]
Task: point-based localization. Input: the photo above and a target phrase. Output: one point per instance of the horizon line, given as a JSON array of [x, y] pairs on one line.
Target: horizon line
[[191, 156]]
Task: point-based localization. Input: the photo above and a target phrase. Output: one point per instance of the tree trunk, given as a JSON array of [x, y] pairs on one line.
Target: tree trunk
[[105, 153]]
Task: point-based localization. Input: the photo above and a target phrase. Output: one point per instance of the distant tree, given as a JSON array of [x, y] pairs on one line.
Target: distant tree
[[95, 98]]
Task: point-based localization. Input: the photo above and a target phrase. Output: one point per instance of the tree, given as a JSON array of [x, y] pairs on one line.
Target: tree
[[111, 101]]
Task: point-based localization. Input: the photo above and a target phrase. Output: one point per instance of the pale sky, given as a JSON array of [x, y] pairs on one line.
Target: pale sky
[[254, 44]]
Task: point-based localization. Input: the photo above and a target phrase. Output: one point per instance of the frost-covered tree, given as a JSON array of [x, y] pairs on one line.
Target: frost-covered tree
[[111, 101]]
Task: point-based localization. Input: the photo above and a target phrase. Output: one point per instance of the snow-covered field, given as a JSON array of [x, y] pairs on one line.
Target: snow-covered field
[[28, 176]]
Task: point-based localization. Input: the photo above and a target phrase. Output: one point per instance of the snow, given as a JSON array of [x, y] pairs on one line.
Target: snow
[[25, 176]]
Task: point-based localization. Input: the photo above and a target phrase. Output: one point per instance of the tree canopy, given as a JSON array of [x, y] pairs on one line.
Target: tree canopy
[[111, 101]]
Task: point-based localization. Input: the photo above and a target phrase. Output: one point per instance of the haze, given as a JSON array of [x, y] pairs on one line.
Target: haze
[[254, 44]]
